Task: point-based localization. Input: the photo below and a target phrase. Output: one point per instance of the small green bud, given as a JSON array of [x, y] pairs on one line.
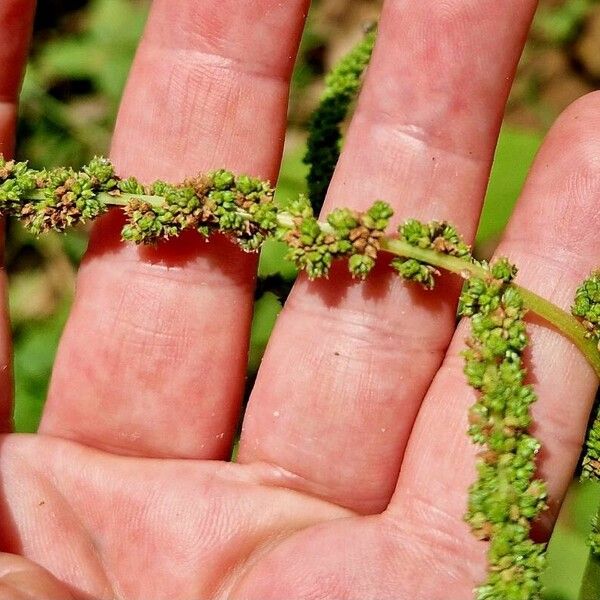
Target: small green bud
[[130, 234], [266, 217], [378, 216], [415, 233], [160, 188], [591, 460], [102, 170], [131, 186], [503, 270], [300, 207], [453, 242], [310, 230], [360, 265], [412, 270], [223, 180], [343, 220], [587, 304], [246, 185]]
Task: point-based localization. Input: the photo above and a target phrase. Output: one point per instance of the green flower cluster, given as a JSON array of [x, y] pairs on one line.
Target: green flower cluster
[[347, 234], [587, 305], [54, 199], [591, 460], [436, 235], [16, 182], [341, 88], [241, 207], [587, 308], [506, 497]]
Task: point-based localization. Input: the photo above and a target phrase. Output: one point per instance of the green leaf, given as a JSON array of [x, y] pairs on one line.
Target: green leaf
[[34, 350], [266, 311], [514, 156]]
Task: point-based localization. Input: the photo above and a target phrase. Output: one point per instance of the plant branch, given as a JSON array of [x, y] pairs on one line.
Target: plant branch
[[244, 208], [568, 325], [120, 199]]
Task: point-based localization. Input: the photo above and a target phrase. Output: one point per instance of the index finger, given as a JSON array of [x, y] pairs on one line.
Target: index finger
[[16, 17], [154, 355]]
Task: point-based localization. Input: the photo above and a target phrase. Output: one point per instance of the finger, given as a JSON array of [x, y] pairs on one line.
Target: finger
[[16, 17], [346, 369], [21, 579], [153, 358], [552, 238]]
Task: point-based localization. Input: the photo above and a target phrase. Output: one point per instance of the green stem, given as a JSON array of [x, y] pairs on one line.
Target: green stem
[[121, 199], [568, 325], [590, 586]]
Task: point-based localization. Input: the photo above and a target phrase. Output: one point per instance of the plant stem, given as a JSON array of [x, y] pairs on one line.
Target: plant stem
[[120, 199], [568, 325]]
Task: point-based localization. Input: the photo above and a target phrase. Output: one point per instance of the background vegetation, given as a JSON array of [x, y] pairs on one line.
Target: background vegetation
[[81, 54]]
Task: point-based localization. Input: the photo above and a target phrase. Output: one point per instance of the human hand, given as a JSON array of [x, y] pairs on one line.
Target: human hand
[[354, 464]]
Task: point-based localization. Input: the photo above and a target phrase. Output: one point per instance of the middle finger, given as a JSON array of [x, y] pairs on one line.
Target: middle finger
[[348, 365]]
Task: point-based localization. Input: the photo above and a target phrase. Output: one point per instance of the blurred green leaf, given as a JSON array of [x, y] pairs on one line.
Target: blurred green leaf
[[292, 176], [34, 351], [111, 31], [266, 310], [70, 127], [272, 261], [568, 551], [559, 24], [514, 155]]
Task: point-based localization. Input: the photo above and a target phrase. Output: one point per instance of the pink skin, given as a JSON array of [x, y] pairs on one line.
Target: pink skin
[[15, 23], [354, 463]]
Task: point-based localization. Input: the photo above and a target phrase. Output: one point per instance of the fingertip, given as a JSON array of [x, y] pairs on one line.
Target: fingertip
[[586, 106], [558, 208], [574, 139], [16, 18]]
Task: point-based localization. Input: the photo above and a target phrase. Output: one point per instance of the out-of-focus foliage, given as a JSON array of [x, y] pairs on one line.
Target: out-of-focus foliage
[[561, 62], [34, 354], [568, 551], [514, 155], [561, 22], [74, 82]]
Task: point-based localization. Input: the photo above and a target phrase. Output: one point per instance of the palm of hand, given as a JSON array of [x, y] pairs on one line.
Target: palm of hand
[[141, 528], [354, 466]]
